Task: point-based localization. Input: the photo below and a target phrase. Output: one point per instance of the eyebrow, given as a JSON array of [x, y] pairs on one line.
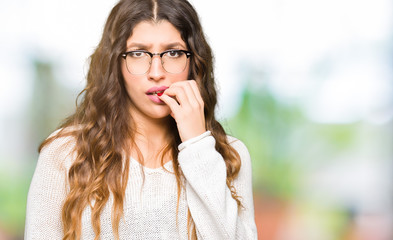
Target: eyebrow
[[174, 44], [137, 45], [146, 46]]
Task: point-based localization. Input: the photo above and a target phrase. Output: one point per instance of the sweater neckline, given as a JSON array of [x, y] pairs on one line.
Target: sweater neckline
[[166, 166]]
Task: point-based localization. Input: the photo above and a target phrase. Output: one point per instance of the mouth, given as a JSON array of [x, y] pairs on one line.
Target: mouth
[[156, 93]]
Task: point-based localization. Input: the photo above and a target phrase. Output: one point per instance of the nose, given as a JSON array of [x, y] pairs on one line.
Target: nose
[[156, 71]]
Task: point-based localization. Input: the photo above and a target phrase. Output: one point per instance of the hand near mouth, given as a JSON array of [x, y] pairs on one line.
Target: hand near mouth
[[187, 106]]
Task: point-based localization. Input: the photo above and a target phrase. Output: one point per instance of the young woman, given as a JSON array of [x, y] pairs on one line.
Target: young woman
[[143, 157]]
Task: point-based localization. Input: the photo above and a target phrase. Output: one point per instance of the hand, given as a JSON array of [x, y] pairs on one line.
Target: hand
[[187, 106]]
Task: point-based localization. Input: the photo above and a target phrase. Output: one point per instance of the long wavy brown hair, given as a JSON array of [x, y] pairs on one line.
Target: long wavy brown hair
[[102, 125]]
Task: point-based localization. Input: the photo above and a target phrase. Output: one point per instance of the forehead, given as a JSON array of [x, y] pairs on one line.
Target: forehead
[[155, 35]]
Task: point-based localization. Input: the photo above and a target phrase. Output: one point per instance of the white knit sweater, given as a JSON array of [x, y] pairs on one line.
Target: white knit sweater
[[150, 207]]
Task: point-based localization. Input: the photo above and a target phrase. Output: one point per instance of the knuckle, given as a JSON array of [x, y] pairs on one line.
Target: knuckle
[[195, 105], [192, 83], [188, 111]]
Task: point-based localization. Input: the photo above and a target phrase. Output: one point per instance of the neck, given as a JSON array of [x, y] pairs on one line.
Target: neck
[[151, 137], [155, 132]]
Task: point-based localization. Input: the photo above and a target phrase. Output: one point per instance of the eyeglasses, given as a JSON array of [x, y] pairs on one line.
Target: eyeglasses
[[173, 61]]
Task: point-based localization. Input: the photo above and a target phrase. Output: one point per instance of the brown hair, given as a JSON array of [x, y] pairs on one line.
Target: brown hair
[[101, 123]]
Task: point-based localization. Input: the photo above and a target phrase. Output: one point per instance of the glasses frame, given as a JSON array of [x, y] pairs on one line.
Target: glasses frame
[[125, 54]]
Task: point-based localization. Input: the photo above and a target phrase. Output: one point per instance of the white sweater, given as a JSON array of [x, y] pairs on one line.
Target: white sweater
[[150, 207]]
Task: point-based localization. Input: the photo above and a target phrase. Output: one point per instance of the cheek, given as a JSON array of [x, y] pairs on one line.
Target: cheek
[[181, 76], [128, 78]]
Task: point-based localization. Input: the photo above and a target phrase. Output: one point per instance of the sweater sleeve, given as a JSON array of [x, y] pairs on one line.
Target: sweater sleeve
[[47, 192], [214, 211]]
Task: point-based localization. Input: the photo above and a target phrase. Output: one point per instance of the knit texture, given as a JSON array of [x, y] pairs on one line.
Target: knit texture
[[151, 196]]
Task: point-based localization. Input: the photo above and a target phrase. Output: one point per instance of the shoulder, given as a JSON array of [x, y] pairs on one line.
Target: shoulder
[[239, 146], [59, 140], [245, 158], [58, 151]]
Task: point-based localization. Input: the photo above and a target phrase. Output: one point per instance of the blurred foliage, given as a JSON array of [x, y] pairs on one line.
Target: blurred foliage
[[13, 200], [281, 139], [287, 148], [50, 103], [266, 127]]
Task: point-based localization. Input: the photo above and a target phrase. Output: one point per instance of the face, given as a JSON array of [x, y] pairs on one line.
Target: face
[[155, 38]]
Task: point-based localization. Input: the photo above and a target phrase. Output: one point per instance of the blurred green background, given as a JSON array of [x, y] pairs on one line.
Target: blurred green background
[[306, 85]]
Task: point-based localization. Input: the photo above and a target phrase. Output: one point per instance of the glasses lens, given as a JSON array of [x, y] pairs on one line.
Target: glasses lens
[[138, 62], [174, 61]]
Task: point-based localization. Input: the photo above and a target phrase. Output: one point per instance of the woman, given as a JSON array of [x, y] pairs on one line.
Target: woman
[[143, 156]]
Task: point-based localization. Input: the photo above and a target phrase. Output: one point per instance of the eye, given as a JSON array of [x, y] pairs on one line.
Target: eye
[[174, 53], [136, 54]]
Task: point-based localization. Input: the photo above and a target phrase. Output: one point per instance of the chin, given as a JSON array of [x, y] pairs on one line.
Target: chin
[[160, 113]]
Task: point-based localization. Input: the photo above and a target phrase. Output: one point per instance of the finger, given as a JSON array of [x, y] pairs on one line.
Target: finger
[[187, 88], [172, 103], [191, 90], [179, 93], [197, 92]]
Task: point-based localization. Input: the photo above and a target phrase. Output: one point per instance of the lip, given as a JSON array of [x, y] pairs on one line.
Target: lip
[[154, 97], [156, 89]]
